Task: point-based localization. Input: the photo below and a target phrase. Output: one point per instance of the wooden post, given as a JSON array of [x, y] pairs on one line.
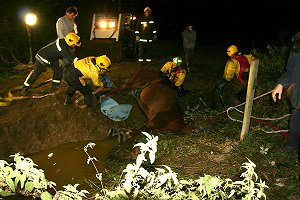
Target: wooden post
[[249, 98]]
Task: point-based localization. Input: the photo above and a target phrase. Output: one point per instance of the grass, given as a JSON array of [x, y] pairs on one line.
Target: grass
[[214, 147]]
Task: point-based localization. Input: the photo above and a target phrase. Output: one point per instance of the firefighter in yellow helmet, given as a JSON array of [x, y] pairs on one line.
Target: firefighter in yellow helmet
[[236, 72], [81, 72], [145, 32], [49, 56], [175, 73]]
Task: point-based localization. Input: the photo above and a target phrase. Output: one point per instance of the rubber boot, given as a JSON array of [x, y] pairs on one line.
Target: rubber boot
[[68, 100]]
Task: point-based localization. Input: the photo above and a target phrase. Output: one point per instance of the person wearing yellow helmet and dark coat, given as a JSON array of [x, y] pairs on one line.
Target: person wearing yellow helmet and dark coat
[[175, 73], [79, 73], [146, 34], [49, 56], [236, 73]]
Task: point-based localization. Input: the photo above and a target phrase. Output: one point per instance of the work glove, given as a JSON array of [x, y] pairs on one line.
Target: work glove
[[137, 38], [107, 82], [155, 38]]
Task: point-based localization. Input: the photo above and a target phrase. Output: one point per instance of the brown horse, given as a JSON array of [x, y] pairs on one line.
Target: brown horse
[[158, 101]]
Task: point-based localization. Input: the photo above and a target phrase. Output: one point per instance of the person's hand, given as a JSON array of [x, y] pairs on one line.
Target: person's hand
[[137, 38], [277, 91]]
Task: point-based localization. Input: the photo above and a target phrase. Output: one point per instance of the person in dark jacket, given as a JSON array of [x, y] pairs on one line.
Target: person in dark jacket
[[189, 36], [290, 80], [145, 32], [49, 56]]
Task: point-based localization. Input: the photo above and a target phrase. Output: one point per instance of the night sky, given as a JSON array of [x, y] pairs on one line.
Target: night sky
[[212, 19]]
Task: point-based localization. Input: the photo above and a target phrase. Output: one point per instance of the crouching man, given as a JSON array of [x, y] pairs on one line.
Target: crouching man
[[78, 74]]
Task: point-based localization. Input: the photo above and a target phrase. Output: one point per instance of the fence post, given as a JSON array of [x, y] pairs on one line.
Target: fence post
[[249, 98]]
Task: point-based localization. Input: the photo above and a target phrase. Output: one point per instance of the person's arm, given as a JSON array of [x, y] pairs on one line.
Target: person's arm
[[180, 78], [66, 52], [95, 77], [231, 69], [60, 29]]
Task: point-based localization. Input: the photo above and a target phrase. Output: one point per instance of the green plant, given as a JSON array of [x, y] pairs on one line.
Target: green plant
[[139, 183], [22, 177]]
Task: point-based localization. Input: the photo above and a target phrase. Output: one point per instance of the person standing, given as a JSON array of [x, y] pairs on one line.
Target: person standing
[[290, 80], [189, 36], [49, 56], [66, 24], [145, 32]]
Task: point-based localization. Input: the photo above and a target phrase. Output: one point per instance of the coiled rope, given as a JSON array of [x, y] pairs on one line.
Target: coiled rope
[[253, 117]]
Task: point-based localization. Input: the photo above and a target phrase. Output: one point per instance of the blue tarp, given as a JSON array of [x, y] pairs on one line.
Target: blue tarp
[[115, 111]]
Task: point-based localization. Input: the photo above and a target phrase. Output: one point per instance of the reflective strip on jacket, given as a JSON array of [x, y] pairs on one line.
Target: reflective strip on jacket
[[89, 71], [56, 50], [177, 77], [145, 28]]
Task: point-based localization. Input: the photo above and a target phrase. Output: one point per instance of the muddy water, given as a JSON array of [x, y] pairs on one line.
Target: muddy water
[[67, 163]]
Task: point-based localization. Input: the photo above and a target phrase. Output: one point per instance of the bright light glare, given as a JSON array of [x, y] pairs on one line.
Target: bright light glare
[[103, 24], [111, 25], [30, 19]]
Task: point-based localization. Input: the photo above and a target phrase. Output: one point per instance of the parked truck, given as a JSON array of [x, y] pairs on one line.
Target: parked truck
[[117, 28]]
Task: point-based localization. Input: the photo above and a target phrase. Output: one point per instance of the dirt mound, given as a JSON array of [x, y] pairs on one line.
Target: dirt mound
[[32, 125]]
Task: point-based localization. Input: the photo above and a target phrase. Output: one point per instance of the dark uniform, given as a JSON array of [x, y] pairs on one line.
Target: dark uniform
[[146, 31], [290, 80], [49, 56]]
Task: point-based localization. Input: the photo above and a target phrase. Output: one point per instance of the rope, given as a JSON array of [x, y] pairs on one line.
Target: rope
[[6, 101], [253, 117]]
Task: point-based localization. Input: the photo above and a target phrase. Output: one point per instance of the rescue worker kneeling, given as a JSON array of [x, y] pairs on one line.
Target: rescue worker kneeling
[[77, 75], [236, 72], [176, 74]]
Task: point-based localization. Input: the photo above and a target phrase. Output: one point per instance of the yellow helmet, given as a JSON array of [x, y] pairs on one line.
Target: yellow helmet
[[147, 9], [72, 39], [231, 50], [103, 62]]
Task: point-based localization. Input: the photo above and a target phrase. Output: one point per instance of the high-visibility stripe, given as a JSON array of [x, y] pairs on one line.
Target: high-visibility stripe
[[57, 45], [148, 60], [151, 22], [136, 32], [75, 59], [56, 81], [141, 60], [154, 31], [43, 59], [25, 82]]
